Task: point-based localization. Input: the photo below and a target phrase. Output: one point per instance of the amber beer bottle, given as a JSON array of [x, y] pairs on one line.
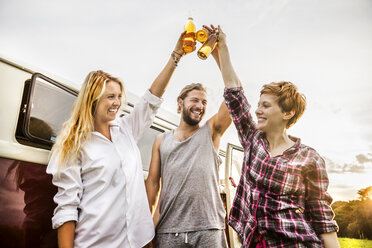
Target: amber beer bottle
[[189, 38], [208, 47], [202, 35]]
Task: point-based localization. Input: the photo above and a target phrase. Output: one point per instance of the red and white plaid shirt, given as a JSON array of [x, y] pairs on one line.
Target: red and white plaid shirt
[[283, 198]]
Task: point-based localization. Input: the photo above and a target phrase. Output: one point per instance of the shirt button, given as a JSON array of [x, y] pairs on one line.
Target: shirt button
[[299, 211]]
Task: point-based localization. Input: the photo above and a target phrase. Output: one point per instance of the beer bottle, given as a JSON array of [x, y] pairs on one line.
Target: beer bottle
[[202, 35], [208, 46], [189, 39]]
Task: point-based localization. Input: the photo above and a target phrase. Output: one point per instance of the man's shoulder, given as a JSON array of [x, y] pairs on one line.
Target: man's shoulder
[[162, 136], [158, 139], [209, 123]]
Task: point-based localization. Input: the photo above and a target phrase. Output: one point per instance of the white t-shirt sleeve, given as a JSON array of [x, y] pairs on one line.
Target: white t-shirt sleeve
[[143, 114], [68, 182]]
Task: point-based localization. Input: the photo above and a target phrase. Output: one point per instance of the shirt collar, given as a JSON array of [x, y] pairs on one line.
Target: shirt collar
[[292, 149], [295, 147], [114, 123]]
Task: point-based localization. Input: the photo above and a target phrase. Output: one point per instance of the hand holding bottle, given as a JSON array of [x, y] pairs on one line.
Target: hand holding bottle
[[209, 45], [221, 41], [211, 29], [178, 51], [218, 31], [178, 48]]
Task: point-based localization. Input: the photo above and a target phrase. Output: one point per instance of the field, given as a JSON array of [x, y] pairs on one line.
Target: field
[[355, 243]]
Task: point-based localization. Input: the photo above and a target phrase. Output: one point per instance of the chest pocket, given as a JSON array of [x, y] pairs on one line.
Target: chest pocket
[[286, 179]]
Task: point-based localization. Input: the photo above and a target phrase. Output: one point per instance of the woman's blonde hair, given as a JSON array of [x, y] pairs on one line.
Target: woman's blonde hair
[[78, 128]]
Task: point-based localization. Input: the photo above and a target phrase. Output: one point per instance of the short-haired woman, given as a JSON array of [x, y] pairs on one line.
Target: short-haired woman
[[282, 198], [97, 167]]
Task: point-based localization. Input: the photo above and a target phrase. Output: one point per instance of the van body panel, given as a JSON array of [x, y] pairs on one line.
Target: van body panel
[[11, 89], [23, 153], [26, 205]]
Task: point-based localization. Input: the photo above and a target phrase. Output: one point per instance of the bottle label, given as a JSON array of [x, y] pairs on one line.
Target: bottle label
[[189, 42], [204, 52]]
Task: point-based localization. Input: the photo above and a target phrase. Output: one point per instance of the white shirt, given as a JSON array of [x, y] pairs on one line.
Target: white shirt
[[105, 192]]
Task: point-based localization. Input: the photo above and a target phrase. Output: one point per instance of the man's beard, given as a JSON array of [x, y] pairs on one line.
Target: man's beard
[[186, 117]]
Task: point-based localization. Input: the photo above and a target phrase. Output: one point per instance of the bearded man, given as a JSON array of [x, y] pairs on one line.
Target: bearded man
[[186, 161]]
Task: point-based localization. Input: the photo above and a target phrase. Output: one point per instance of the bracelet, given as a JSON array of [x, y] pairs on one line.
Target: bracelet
[[178, 53], [175, 58]]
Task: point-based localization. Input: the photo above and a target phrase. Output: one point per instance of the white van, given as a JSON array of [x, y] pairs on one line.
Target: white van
[[33, 107]]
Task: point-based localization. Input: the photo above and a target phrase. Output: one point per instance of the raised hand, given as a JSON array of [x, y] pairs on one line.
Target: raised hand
[[213, 30], [221, 36], [178, 48]]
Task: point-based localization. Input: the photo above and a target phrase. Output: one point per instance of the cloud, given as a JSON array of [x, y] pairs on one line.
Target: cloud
[[342, 186], [359, 166], [362, 159]]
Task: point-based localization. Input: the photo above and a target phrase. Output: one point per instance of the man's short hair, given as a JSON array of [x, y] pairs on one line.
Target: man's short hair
[[186, 90], [288, 98]]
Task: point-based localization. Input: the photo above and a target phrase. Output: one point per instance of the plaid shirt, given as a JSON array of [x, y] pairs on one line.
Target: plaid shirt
[[283, 198]]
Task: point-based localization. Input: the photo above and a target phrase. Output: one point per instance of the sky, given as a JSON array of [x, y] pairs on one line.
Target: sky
[[323, 46]]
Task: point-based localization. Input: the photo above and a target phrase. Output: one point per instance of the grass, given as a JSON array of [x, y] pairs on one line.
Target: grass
[[355, 243]]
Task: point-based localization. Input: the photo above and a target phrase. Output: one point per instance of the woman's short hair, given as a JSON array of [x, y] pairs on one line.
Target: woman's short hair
[[288, 98], [186, 90]]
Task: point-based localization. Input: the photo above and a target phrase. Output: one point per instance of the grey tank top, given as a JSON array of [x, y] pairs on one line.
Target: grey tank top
[[189, 198]]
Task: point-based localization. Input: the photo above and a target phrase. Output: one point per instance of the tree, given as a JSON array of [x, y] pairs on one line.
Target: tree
[[365, 211], [354, 218], [365, 194], [343, 216]]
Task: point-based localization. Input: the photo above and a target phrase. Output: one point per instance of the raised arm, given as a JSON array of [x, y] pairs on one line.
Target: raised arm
[[219, 123], [222, 57], [235, 100], [161, 82], [153, 179]]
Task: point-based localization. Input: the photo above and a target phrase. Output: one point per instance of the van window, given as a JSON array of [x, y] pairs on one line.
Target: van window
[[233, 165], [46, 105], [236, 161]]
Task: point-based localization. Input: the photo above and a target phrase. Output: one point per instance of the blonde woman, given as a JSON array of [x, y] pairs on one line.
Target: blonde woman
[[96, 165]]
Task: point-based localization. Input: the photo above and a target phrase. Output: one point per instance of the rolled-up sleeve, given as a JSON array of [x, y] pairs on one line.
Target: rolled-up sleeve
[[319, 212], [239, 109], [68, 182], [143, 114]]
